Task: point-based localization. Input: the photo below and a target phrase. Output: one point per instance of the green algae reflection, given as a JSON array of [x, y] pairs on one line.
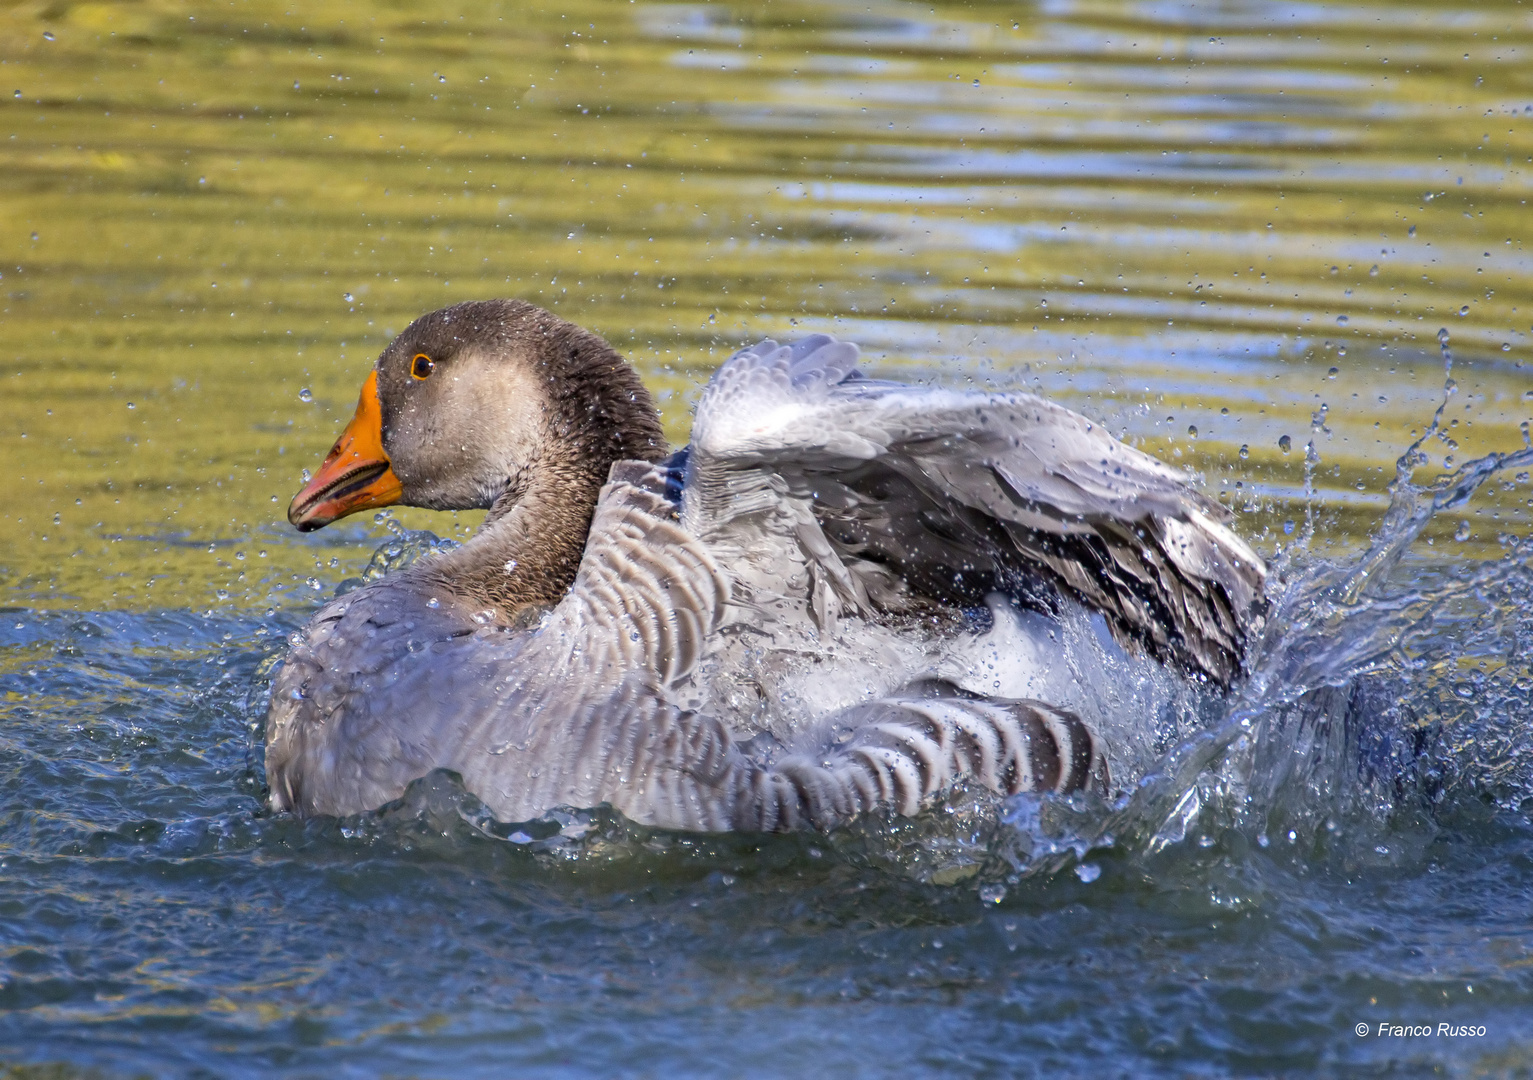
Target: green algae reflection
[[214, 215]]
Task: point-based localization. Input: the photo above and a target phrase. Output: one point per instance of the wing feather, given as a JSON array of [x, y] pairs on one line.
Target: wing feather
[[891, 496]]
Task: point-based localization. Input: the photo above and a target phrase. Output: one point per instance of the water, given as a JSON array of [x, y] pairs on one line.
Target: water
[[1232, 232]]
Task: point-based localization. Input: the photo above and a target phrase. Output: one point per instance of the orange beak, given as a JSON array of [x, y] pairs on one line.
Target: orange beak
[[356, 474]]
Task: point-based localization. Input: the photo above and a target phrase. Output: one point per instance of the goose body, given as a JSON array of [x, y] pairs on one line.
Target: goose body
[[843, 595]]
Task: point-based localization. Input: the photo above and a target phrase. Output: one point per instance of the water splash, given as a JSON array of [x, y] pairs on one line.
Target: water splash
[[1376, 702], [402, 548]]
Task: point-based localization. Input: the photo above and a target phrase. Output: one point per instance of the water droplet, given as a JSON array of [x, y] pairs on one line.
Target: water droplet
[[1463, 311], [131, 405], [1462, 532], [18, 93], [313, 583], [347, 297], [440, 77], [1341, 320], [47, 35], [992, 894], [1506, 346], [433, 603], [1373, 271], [202, 180], [1464, 690], [1411, 231], [1442, 336], [1333, 373], [1288, 527], [1192, 430], [56, 520], [306, 394], [1285, 444], [1088, 872], [1245, 451]]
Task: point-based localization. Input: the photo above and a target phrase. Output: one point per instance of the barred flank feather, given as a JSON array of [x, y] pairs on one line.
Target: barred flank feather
[[901, 754]]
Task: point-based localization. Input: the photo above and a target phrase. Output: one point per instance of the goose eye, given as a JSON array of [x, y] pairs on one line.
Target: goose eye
[[421, 366]]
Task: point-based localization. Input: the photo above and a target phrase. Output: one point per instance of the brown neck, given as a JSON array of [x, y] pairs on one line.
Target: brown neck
[[528, 549]]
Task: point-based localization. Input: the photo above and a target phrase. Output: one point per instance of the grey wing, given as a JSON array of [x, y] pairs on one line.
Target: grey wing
[[355, 711], [383, 688], [872, 496]]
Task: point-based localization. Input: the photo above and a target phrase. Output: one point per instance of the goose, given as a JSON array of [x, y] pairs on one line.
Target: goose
[[843, 596]]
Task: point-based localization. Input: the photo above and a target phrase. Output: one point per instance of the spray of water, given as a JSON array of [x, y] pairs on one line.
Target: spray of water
[[1375, 702]]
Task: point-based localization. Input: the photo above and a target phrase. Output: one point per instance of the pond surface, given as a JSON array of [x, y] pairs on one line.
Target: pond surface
[[1235, 232]]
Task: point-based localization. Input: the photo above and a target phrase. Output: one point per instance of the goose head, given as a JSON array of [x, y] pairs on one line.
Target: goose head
[[470, 404]]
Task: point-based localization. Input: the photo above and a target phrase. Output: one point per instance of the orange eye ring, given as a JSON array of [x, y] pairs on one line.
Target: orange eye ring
[[422, 366]]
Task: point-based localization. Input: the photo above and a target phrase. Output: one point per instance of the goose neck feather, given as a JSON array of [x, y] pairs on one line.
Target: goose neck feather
[[528, 549]]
